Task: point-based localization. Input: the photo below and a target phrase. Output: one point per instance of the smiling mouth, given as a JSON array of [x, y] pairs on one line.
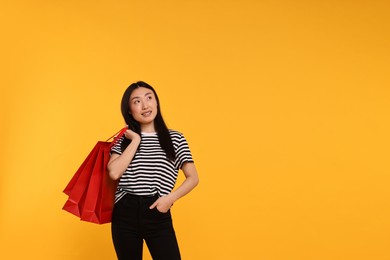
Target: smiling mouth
[[147, 113]]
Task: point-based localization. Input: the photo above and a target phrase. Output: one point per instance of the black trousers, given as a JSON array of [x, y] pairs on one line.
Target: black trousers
[[133, 222]]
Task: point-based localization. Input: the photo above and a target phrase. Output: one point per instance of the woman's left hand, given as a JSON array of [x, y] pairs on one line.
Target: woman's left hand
[[163, 204]]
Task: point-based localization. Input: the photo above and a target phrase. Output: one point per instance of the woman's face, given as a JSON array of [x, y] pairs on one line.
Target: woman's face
[[143, 106]]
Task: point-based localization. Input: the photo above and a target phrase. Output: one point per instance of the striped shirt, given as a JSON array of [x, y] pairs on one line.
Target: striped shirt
[[150, 172]]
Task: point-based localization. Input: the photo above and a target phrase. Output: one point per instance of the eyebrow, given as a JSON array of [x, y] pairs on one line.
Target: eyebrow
[[147, 93]]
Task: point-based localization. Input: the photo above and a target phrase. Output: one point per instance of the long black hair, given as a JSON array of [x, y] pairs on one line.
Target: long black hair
[[159, 124]]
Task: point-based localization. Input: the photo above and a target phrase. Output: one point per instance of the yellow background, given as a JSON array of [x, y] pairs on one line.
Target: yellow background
[[285, 105]]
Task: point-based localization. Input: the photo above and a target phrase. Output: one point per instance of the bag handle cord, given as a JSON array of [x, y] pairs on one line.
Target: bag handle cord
[[117, 135]]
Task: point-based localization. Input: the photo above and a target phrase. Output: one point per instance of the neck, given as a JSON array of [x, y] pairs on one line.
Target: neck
[[148, 128]]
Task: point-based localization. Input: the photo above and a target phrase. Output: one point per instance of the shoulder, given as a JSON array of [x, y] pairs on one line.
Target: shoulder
[[176, 136], [175, 133]]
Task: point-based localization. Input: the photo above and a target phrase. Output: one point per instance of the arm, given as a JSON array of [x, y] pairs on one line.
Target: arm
[[163, 204], [118, 164]]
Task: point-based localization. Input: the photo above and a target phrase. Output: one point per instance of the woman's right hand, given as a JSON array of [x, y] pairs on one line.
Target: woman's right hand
[[131, 135]]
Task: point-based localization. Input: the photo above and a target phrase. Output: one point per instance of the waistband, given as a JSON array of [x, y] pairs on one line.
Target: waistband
[[141, 196]]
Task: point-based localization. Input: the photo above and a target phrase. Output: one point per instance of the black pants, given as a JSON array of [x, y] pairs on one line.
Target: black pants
[[133, 222]]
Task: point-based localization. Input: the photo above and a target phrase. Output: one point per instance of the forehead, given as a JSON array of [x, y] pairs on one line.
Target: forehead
[[140, 92]]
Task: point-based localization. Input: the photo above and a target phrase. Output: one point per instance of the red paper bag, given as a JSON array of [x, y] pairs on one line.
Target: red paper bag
[[78, 185], [91, 192], [99, 197], [68, 189]]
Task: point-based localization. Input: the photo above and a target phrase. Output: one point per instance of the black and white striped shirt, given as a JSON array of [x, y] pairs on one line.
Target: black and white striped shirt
[[150, 172]]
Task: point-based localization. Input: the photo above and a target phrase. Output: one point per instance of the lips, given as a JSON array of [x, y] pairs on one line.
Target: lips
[[146, 114]]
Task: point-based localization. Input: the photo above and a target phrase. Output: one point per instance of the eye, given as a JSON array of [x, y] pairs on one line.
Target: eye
[[136, 102], [149, 97]]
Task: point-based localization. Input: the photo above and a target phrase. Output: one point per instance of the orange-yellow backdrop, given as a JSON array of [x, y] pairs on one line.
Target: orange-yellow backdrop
[[285, 105]]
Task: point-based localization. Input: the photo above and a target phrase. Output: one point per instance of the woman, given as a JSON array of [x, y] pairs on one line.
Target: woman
[[146, 162]]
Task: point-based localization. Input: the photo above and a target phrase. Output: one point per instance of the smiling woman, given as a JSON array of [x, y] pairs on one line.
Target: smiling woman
[[143, 108], [285, 105], [147, 161]]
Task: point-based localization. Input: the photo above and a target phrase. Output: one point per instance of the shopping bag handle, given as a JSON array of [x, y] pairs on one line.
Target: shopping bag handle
[[117, 135]]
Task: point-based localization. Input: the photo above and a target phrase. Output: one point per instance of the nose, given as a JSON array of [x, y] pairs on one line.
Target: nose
[[144, 105]]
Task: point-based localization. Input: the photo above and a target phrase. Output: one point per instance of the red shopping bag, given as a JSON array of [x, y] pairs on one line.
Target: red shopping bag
[[77, 187], [91, 191], [99, 198]]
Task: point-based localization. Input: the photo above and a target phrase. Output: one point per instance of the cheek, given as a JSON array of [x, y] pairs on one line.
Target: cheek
[[132, 109]]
